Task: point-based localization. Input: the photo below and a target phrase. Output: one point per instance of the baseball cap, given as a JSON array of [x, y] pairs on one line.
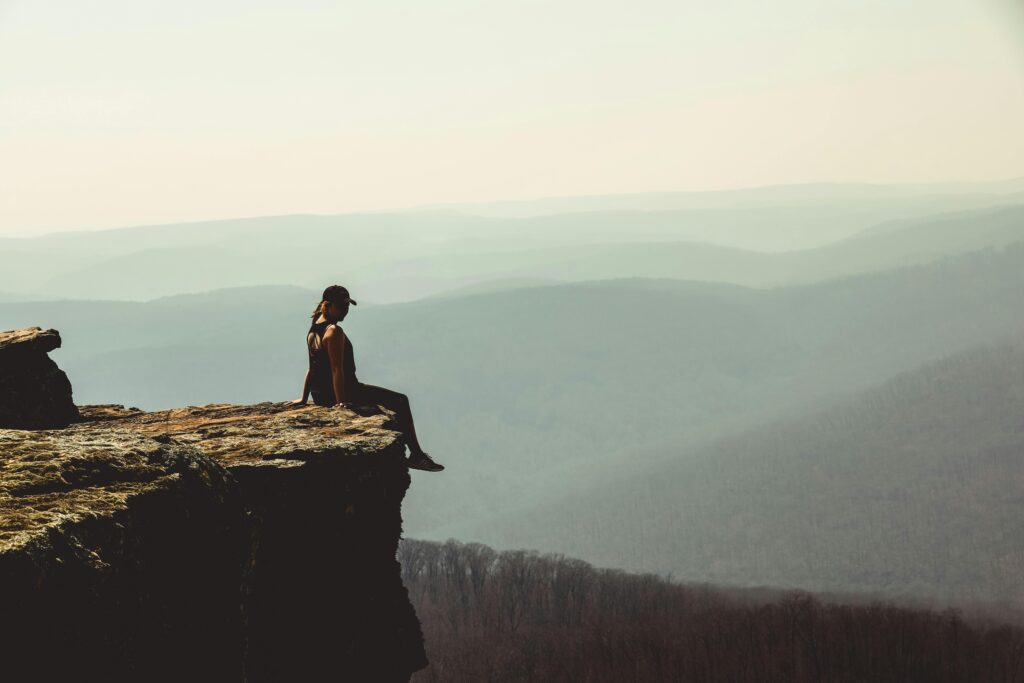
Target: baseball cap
[[338, 295]]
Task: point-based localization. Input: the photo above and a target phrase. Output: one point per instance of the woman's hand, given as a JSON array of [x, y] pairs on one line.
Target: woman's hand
[[298, 402]]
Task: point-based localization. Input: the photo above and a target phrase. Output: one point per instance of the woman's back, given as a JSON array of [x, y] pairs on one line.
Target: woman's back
[[320, 381]]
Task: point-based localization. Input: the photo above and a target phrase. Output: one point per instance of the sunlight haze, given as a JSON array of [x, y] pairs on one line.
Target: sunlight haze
[[122, 113]]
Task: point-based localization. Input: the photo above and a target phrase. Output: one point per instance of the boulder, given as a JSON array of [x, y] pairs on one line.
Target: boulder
[[34, 392]]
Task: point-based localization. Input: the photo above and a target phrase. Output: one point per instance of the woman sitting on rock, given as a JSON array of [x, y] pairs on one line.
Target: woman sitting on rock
[[331, 378]]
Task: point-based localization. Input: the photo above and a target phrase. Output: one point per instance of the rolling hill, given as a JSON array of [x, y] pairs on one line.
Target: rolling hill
[[912, 488]]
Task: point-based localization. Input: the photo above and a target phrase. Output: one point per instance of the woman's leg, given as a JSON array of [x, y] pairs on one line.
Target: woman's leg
[[371, 394]]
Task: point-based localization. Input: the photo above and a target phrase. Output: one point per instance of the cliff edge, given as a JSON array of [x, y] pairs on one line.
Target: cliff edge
[[219, 542]]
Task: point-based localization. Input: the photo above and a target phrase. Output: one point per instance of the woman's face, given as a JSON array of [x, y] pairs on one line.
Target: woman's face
[[337, 312]]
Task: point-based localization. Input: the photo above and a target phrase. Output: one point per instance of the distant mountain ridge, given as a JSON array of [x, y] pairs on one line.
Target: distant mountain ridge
[[404, 256]]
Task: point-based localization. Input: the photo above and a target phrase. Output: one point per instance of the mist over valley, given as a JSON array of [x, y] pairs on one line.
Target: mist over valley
[[639, 400]]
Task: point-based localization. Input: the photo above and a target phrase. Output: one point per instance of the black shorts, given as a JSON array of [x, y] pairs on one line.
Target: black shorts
[[373, 395]]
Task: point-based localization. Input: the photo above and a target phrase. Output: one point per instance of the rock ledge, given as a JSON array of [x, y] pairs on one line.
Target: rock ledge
[[218, 542]]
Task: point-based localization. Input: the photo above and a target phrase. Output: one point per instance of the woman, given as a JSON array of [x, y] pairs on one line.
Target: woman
[[331, 378]]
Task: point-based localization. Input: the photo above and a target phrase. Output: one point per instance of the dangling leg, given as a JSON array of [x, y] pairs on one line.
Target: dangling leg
[[396, 401]]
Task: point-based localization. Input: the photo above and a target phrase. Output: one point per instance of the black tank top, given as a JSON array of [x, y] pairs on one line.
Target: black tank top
[[321, 386]]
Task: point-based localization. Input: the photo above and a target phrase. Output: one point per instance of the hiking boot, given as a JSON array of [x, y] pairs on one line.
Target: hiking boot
[[422, 461]]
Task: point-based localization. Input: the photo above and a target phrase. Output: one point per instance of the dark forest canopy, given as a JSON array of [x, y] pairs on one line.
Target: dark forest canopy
[[519, 615]]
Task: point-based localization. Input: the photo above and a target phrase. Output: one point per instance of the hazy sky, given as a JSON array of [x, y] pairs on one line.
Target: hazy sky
[[122, 112]]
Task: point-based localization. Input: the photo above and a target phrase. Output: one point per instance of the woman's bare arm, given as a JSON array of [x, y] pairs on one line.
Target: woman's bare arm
[[334, 338], [305, 390]]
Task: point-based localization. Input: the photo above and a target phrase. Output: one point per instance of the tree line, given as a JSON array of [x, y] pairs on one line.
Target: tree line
[[523, 616]]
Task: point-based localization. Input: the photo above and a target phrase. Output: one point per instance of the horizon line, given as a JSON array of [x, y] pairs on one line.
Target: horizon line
[[535, 199]]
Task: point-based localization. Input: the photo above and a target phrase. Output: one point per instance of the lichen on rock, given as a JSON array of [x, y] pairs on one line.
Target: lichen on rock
[[219, 542]]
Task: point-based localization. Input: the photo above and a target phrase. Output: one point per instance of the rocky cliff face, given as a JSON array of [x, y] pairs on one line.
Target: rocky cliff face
[[219, 542]]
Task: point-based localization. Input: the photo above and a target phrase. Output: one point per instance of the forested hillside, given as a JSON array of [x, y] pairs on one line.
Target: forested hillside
[[599, 377], [520, 616], [915, 487]]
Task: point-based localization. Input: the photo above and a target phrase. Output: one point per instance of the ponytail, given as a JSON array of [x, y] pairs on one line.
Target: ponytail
[[319, 309]]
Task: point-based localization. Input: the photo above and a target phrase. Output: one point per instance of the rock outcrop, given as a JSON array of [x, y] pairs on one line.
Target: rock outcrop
[[213, 543], [34, 392]]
